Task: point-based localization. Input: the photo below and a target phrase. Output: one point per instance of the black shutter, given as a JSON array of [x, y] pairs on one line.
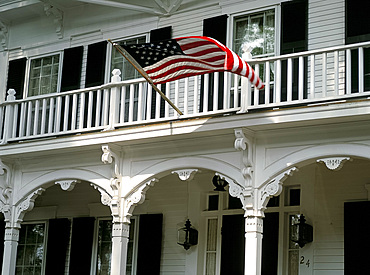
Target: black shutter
[[356, 237], [233, 245], [149, 244], [294, 29], [158, 35], [216, 28], [270, 243], [161, 34], [71, 73], [16, 74], [81, 246], [357, 21], [2, 233], [95, 66], [294, 33], [57, 245]]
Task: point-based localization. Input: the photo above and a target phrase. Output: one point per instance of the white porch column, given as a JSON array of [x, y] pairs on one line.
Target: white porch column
[[120, 238], [253, 245], [11, 238]]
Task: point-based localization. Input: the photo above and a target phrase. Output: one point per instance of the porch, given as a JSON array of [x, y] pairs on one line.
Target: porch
[[302, 79]]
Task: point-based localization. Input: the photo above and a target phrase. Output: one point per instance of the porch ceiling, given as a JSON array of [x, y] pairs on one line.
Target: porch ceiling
[[17, 10]]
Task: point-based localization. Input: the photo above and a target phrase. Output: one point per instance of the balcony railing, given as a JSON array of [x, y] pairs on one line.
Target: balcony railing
[[294, 79]]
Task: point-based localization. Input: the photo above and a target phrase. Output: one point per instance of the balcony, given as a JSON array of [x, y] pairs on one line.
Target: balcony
[[302, 79]]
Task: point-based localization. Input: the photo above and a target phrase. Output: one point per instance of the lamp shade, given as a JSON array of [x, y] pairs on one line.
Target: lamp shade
[[187, 236], [301, 233]]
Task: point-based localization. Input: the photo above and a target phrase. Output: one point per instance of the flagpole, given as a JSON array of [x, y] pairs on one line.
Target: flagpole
[[137, 66]]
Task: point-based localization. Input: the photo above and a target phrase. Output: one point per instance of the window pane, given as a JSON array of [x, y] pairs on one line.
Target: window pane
[[293, 262], [211, 264], [293, 251], [104, 247], [212, 202], [212, 235], [30, 252], [119, 62], [257, 32], [234, 203], [44, 75]]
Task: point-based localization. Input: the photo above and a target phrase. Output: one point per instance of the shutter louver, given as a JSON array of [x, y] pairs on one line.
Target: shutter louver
[[16, 75], [71, 73], [95, 66]]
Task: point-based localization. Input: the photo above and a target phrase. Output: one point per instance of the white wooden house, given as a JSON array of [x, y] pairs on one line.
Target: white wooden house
[[98, 174]]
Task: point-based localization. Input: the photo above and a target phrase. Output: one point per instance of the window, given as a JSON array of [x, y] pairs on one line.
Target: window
[[119, 62], [104, 248], [44, 75], [30, 252], [128, 72], [256, 31]]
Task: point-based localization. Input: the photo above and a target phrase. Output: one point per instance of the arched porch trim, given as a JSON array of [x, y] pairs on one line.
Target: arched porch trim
[[165, 168], [310, 155], [48, 179]]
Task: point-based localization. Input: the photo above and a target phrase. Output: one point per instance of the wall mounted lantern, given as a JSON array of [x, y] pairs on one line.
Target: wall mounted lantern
[[187, 236], [301, 233], [219, 183]]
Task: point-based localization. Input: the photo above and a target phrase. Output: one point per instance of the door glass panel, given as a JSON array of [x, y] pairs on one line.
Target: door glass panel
[[293, 251], [211, 246], [104, 247]]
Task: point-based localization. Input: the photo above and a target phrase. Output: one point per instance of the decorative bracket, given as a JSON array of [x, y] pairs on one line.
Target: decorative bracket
[[110, 157], [67, 185], [5, 192], [185, 174], [106, 198], [244, 144], [335, 163], [273, 188], [3, 35], [25, 206], [238, 191], [135, 198], [169, 7], [57, 15]]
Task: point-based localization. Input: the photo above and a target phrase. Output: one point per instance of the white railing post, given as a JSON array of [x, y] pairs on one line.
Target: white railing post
[[361, 70], [245, 90], [113, 99], [9, 113]]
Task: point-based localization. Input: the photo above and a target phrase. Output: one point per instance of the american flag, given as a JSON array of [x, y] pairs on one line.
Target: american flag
[[177, 58]]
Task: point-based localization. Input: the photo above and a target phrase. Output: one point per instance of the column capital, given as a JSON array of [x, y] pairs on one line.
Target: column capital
[[120, 229], [11, 234], [253, 224]]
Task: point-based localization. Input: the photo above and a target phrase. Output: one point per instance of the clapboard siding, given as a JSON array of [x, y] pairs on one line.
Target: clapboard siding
[[332, 189], [168, 197], [324, 18], [190, 22]]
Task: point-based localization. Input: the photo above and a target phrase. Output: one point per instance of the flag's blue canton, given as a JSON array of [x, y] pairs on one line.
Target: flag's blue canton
[[150, 53]]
